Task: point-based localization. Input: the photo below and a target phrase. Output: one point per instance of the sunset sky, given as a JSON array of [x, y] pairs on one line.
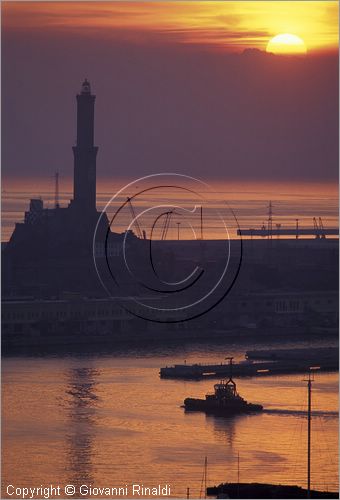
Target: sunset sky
[[181, 86], [224, 25]]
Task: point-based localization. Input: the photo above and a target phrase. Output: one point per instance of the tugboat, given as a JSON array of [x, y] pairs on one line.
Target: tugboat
[[225, 401]]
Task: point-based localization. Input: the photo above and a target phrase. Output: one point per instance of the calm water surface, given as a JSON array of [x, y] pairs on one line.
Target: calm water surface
[[110, 421]]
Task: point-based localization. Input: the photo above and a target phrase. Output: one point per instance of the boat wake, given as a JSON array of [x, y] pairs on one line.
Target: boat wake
[[302, 413]]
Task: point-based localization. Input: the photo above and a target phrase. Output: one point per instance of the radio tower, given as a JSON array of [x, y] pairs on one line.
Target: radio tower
[[56, 190]]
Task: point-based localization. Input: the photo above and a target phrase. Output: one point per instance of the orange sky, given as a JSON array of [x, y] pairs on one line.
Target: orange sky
[[171, 92], [226, 25]]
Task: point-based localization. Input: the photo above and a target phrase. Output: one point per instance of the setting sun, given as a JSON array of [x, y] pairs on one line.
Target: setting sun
[[286, 44]]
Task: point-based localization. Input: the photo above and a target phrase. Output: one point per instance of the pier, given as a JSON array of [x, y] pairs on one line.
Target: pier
[[277, 362], [292, 231]]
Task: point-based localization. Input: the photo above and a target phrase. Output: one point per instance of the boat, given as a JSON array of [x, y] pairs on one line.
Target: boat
[[225, 401]]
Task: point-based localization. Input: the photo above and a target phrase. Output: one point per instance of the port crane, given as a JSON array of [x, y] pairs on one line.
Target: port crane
[[316, 228], [319, 228], [323, 235], [166, 224], [141, 234]]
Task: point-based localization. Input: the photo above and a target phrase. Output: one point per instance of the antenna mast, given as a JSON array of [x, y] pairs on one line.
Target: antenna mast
[[201, 222], [309, 381], [56, 190], [204, 479], [230, 358], [309, 385], [230, 380], [238, 474]]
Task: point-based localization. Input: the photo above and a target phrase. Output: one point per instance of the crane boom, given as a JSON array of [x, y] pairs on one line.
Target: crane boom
[[166, 225], [316, 228], [135, 220], [322, 235]]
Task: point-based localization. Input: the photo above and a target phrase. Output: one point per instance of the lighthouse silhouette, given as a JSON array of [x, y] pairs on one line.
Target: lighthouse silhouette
[[85, 153], [53, 248]]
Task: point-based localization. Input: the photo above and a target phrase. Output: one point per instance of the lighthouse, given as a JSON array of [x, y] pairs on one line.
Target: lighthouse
[[85, 153]]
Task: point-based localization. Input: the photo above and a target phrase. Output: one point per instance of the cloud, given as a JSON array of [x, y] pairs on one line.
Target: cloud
[[194, 22]]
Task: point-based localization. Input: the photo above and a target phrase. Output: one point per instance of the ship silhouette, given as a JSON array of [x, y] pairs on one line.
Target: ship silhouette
[[225, 401]]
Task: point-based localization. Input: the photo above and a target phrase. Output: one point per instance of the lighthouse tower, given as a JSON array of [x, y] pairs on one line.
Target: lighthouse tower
[[85, 153]]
